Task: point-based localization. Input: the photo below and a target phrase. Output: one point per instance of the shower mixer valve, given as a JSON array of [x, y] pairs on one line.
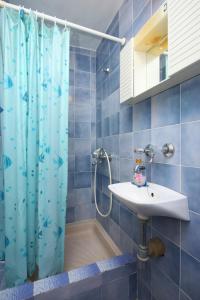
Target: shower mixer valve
[[99, 155], [167, 150], [148, 150]]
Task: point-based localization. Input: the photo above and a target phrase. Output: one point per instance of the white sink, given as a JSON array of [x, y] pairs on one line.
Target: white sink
[[153, 200]]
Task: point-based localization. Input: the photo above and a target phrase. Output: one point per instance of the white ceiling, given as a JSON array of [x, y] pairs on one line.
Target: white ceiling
[[96, 14]]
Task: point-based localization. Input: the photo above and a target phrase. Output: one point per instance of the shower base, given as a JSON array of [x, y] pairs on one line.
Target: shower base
[[87, 242]]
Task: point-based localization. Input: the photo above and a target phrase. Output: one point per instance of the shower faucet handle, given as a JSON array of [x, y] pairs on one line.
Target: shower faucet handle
[[168, 150], [139, 150], [148, 150]]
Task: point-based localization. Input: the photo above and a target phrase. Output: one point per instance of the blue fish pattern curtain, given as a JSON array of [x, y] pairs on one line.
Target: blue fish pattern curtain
[[34, 84]]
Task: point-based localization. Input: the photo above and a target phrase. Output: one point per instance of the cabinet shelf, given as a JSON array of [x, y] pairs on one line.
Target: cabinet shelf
[[181, 76]]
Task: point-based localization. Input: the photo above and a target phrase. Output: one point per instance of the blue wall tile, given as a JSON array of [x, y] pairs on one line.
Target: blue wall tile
[[82, 79], [71, 97], [162, 287], [190, 276], [115, 210], [133, 287], [114, 232], [82, 62], [166, 175], [71, 129], [115, 291], [190, 235], [114, 80], [190, 100], [82, 180], [169, 264], [115, 169], [144, 274], [82, 117], [83, 196], [169, 227], [82, 163], [114, 59], [126, 169], [183, 296], [190, 187], [163, 135], [126, 19], [136, 229], [71, 163], [126, 124], [138, 6], [82, 95], [93, 64], [85, 211], [114, 126], [82, 146], [114, 26], [127, 245], [71, 112], [190, 144], [165, 108], [71, 77], [115, 145], [144, 293], [142, 115], [106, 126], [126, 145], [126, 220], [142, 18], [82, 130], [90, 295]]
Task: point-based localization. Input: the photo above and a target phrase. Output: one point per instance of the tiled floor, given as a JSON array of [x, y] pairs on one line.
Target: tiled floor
[[87, 242]]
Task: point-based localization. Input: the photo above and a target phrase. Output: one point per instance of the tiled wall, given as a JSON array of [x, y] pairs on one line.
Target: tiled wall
[[172, 116], [82, 133]]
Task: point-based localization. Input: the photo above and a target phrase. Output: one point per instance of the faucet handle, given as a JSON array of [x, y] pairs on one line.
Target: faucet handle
[[148, 150], [139, 150], [168, 150]]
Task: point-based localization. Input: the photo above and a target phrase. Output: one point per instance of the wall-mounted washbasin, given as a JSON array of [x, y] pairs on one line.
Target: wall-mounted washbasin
[[152, 200]]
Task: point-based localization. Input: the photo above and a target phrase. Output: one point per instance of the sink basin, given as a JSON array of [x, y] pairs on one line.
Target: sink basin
[[153, 200]]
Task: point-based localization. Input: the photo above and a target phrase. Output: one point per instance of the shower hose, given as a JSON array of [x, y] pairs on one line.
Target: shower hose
[[95, 191]]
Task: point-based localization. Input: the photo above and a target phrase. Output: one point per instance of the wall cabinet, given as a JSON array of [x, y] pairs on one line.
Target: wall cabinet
[[165, 52], [183, 33]]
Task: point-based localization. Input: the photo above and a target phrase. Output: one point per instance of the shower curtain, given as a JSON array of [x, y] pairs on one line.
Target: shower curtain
[[34, 81]]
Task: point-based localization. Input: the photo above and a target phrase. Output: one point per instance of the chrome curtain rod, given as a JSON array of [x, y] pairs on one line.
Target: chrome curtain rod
[[122, 41]]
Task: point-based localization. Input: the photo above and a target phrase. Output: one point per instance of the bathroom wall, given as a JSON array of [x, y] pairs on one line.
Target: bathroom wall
[[172, 116], [82, 133]]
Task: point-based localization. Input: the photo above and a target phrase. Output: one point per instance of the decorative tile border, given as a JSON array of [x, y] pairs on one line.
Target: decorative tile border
[[83, 273], [50, 283], [29, 290]]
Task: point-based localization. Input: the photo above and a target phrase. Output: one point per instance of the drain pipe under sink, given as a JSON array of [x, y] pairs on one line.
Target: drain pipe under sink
[[152, 248]]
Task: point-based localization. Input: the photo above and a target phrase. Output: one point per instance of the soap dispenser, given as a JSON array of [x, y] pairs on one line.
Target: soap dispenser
[[139, 176]]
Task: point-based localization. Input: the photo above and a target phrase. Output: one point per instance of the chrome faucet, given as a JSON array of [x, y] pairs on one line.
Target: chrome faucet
[[99, 155], [148, 150]]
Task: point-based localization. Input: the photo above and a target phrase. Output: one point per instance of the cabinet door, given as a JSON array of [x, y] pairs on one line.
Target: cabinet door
[[126, 72], [183, 33]]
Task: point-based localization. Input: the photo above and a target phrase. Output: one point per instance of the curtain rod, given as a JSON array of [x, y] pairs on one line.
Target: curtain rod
[[122, 41]]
